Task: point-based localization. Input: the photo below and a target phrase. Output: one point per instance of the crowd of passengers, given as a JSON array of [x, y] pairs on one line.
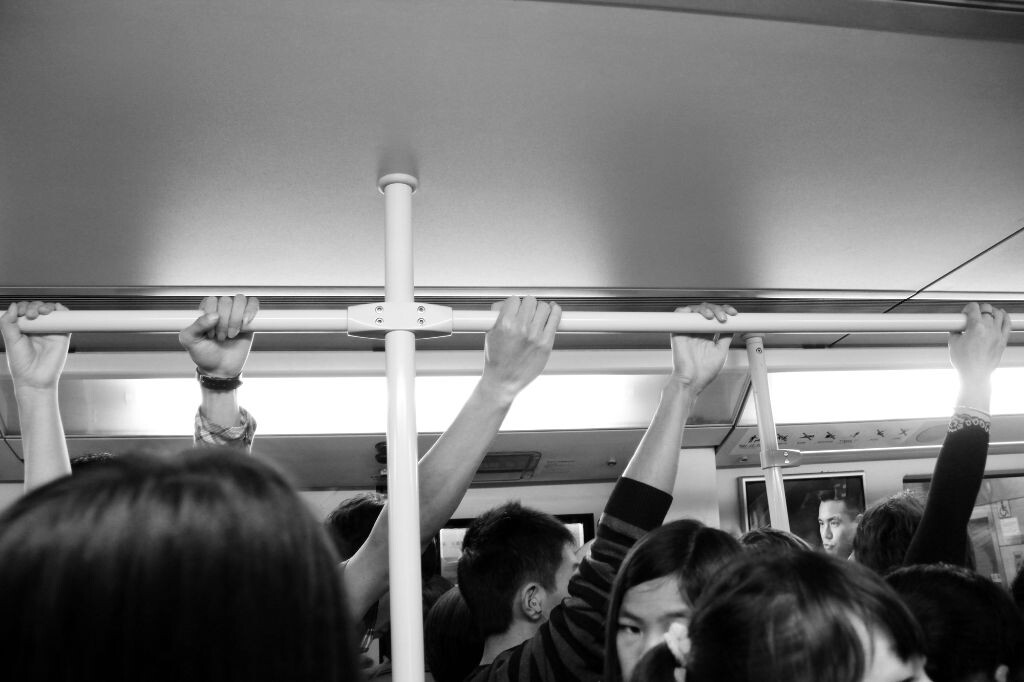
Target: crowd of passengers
[[208, 565]]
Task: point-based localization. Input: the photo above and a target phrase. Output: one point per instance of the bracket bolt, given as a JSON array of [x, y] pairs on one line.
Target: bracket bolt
[[420, 309], [420, 321], [379, 320], [379, 309]]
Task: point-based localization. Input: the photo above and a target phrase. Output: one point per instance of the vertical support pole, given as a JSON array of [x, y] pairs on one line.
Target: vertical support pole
[[770, 462], [403, 482]]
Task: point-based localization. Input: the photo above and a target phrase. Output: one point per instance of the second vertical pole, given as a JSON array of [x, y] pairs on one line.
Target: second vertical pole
[[403, 453], [770, 463]]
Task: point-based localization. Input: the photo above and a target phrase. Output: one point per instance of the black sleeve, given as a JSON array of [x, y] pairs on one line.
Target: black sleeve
[[942, 535]]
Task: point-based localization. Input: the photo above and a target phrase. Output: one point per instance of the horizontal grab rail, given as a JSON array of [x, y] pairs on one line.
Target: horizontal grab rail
[[483, 320]]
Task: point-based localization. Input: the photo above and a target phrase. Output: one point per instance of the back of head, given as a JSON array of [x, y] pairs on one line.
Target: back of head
[[798, 616], [971, 625], [1017, 589], [885, 531], [503, 549], [204, 566], [452, 644], [767, 539], [687, 550], [350, 523]]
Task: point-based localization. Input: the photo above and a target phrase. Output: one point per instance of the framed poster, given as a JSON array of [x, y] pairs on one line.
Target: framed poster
[[804, 493]]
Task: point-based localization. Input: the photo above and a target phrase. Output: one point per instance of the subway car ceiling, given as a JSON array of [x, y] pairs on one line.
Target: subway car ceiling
[[606, 157]]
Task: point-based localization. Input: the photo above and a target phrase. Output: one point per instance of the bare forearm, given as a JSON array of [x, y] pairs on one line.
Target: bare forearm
[[42, 437], [657, 457], [445, 473], [447, 470], [221, 407]]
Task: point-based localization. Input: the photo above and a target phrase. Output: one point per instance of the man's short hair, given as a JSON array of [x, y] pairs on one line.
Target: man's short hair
[[854, 504], [885, 531], [503, 549], [971, 625]]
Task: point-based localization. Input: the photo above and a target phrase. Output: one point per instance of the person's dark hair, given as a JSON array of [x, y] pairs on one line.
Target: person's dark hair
[[795, 617], [1017, 589], [503, 549], [854, 504], [350, 523], [89, 459], [885, 531], [452, 643], [202, 566], [971, 625], [769, 539], [687, 550]]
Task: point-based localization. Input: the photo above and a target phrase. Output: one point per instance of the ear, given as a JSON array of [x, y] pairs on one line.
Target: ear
[[531, 601], [1002, 673], [859, 517]]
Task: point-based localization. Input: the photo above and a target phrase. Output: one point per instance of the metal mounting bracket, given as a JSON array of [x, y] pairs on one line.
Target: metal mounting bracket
[[424, 320], [775, 457]]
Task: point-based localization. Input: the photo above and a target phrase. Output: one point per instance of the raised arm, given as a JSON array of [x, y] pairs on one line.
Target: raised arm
[[515, 353], [696, 361], [638, 504], [219, 345], [36, 361], [975, 353]]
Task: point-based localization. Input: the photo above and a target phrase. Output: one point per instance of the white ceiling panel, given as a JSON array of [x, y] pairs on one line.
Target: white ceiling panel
[[1000, 267], [237, 143]]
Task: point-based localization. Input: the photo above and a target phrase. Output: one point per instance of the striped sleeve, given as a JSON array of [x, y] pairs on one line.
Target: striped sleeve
[[570, 645], [207, 433]]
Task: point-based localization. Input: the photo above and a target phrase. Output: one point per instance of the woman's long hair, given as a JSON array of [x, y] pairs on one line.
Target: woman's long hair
[[687, 550], [202, 566]]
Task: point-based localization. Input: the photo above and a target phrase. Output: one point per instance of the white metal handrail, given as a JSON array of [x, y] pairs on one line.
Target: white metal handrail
[[269, 320]]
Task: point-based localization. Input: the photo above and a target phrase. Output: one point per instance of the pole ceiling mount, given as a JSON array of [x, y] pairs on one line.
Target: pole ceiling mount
[[392, 178]]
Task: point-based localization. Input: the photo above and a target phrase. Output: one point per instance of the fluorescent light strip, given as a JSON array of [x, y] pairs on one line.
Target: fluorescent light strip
[[872, 395], [328, 405]]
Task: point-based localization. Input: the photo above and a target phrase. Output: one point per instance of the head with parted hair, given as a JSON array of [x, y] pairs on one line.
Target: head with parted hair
[[660, 579], [770, 539], [971, 625], [801, 617], [202, 566], [505, 550]]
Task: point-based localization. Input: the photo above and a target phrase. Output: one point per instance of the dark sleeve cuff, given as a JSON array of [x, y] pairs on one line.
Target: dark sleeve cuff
[[638, 503]]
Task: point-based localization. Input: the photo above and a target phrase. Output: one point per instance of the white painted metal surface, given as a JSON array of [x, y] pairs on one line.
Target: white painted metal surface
[[483, 320], [766, 432], [403, 482]]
